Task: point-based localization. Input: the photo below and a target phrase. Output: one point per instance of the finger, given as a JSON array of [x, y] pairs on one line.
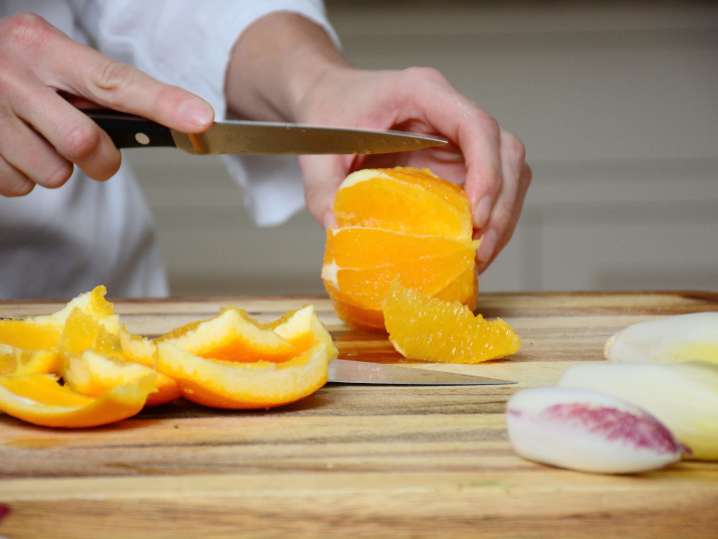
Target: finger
[[12, 182], [322, 177], [512, 161], [71, 133], [524, 183], [30, 154], [476, 133], [513, 155], [118, 86]]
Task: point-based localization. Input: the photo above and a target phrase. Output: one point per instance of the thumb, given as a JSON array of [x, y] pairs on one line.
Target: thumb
[[322, 176]]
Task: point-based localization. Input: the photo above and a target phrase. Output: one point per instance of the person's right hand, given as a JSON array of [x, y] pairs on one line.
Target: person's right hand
[[42, 134]]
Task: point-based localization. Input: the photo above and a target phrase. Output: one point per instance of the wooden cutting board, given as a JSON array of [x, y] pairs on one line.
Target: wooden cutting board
[[352, 461]]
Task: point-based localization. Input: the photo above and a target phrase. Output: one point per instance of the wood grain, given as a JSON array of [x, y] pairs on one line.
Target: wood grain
[[352, 461]]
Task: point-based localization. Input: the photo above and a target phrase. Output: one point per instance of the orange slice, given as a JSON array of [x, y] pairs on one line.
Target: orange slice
[[20, 361], [256, 384], [39, 399], [361, 263], [404, 200], [233, 336], [430, 329]]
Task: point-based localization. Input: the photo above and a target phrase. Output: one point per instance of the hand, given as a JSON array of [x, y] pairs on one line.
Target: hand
[[489, 161], [42, 134]]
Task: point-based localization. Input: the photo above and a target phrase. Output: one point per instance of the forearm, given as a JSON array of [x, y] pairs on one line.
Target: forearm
[[275, 63]]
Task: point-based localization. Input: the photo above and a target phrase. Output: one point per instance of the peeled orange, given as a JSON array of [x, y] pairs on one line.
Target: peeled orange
[[430, 329], [400, 223]]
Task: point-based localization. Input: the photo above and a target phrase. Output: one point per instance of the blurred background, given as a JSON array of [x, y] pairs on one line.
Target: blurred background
[[616, 102]]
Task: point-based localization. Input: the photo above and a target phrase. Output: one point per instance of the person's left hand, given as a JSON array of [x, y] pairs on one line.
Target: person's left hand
[[488, 160]]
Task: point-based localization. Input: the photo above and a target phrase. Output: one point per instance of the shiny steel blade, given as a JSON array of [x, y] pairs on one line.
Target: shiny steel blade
[[240, 137], [347, 371]]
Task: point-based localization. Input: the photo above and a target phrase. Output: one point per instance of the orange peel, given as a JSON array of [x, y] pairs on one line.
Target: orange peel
[[223, 383], [39, 399], [92, 303], [96, 360], [234, 336]]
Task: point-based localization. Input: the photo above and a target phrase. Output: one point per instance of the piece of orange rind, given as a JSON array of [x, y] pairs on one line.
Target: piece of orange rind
[[39, 399]]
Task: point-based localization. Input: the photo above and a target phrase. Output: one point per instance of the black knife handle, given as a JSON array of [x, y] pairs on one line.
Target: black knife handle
[[129, 131]]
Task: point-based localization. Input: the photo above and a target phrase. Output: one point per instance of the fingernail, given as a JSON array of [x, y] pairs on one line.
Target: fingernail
[[197, 113], [482, 212], [487, 246]]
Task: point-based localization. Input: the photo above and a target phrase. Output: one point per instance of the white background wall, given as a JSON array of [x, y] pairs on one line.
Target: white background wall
[[617, 105]]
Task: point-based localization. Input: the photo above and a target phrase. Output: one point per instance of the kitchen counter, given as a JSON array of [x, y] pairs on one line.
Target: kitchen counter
[[353, 461]]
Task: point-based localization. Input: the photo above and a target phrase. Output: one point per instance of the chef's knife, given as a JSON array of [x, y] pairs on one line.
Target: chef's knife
[[346, 371], [243, 137]]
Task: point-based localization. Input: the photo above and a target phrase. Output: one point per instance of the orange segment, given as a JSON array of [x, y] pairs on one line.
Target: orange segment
[[232, 335], [430, 329], [361, 247], [39, 399], [405, 200], [360, 264], [463, 289], [20, 361]]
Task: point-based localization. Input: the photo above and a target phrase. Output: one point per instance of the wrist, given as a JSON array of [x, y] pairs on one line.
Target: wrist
[[305, 84], [276, 63]]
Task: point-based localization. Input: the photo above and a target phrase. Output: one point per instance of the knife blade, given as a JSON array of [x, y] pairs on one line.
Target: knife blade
[[346, 371], [245, 137]]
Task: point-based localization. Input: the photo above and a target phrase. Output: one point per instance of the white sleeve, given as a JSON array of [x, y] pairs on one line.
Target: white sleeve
[[188, 44]]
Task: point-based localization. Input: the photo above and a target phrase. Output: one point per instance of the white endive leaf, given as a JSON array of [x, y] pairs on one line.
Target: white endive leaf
[[683, 396], [587, 431], [673, 339]]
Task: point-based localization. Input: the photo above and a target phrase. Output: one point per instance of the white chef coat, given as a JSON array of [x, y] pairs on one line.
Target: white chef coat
[[57, 243]]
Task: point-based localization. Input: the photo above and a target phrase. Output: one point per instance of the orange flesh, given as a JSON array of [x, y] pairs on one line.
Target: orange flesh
[[404, 224], [358, 248], [430, 329], [378, 202]]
